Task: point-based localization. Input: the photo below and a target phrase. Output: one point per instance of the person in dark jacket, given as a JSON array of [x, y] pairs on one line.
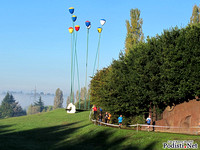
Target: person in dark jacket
[[106, 117]]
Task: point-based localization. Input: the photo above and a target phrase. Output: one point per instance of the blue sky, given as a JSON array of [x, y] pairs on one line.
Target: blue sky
[[35, 42]]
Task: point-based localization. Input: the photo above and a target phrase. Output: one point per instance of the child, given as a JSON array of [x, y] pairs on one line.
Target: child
[[120, 121]]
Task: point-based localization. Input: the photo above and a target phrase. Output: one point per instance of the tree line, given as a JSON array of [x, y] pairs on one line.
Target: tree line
[[163, 71], [11, 108]]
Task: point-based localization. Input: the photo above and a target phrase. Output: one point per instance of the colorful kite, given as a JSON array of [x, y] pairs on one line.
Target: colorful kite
[[71, 30], [71, 10], [99, 29], [102, 21], [77, 27], [88, 24], [74, 18]]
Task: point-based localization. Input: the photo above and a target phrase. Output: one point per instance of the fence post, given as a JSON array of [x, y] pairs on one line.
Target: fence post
[[95, 122]]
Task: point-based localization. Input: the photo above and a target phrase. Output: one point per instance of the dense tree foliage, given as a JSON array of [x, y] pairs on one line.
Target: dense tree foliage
[[160, 72], [10, 108], [39, 104], [33, 110], [38, 107]]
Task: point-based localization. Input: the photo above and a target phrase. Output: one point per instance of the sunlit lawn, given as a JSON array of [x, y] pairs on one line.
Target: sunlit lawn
[[59, 130]]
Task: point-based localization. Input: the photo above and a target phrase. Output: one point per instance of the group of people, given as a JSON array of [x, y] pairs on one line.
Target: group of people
[[107, 117], [100, 118]]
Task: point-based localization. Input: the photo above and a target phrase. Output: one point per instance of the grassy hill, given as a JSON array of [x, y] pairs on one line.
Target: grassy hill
[[59, 130]]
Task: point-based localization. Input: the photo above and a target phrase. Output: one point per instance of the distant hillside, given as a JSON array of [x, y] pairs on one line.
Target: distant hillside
[[58, 130]]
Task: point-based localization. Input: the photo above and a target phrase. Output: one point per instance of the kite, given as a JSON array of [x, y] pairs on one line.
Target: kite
[[74, 18], [99, 29], [71, 30], [71, 10], [88, 24], [102, 21], [77, 27]]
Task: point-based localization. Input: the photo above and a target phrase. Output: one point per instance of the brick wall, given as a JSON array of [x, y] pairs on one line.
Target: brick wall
[[184, 116]]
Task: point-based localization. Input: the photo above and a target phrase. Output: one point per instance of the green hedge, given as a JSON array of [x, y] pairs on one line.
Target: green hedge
[[165, 70]]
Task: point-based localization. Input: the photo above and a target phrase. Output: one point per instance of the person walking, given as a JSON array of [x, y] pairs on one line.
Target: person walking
[[100, 119], [95, 111], [120, 119], [100, 109], [106, 117], [148, 122]]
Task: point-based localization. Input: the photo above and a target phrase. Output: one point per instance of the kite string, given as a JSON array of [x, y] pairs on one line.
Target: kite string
[[71, 68], [77, 65], [98, 51], [95, 61], [97, 54], [86, 69]]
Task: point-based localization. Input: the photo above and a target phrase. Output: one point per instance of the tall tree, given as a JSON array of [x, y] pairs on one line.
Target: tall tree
[[10, 108], [58, 100], [195, 18], [134, 30], [39, 103]]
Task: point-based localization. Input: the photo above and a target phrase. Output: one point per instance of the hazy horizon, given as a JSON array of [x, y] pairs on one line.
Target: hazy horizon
[[26, 99]]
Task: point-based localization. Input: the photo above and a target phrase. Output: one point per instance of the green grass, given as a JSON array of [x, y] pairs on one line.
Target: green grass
[[59, 130]]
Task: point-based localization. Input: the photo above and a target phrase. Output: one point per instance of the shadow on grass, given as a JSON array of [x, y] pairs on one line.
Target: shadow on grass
[[36, 139], [101, 141], [59, 137], [4, 130]]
